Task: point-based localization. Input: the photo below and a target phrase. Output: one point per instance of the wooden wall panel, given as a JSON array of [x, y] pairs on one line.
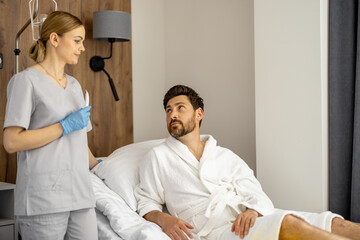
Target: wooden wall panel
[[112, 121]]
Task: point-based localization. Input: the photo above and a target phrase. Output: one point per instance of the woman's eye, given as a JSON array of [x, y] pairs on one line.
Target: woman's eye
[[77, 41]]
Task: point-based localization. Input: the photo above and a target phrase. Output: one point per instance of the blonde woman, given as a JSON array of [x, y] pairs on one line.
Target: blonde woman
[[47, 123]]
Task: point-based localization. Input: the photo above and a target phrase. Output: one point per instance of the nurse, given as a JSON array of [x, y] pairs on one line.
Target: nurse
[[47, 123]]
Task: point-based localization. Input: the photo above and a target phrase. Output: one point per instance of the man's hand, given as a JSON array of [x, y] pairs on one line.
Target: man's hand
[[174, 227], [244, 221]]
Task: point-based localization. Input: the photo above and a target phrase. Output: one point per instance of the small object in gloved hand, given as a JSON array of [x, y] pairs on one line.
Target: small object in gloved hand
[[87, 98], [1, 61]]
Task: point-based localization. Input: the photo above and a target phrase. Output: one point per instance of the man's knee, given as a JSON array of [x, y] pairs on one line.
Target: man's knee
[[291, 221], [337, 222], [292, 225]]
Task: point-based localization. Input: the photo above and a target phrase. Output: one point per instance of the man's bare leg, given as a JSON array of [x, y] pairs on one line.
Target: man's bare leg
[[296, 228], [345, 228]]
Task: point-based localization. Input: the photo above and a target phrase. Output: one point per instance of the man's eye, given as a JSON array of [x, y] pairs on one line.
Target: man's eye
[[168, 111], [77, 41]]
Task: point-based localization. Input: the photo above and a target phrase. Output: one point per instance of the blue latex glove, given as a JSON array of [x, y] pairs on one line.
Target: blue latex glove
[[76, 120], [99, 161]]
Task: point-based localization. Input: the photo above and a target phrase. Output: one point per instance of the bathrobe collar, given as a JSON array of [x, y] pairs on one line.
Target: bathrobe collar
[[183, 151]]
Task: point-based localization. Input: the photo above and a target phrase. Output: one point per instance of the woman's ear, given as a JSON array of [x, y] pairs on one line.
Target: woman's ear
[[54, 39]]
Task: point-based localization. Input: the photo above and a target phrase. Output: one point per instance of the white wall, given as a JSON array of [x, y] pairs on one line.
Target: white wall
[[207, 45], [148, 56], [291, 102]]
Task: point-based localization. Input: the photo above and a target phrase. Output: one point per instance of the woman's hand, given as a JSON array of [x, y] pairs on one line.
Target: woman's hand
[[76, 120], [244, 221]]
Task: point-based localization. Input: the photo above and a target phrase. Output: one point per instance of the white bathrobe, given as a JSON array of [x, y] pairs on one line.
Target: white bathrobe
[[209, 193]]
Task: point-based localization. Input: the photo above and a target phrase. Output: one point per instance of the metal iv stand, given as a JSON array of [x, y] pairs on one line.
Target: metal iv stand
[[17, 50]]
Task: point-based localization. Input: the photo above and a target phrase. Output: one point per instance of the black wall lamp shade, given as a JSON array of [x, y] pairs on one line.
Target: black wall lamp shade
[[109, 26]]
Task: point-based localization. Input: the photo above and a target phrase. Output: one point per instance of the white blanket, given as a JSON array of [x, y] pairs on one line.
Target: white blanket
[[207, 194], [125, 222], [105, 232]]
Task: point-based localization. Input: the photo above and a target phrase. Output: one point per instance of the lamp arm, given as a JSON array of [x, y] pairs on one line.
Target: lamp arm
[[113, 89], [111, 40]]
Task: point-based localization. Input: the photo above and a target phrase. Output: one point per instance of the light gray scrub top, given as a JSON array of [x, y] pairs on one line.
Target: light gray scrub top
[[55, 177]]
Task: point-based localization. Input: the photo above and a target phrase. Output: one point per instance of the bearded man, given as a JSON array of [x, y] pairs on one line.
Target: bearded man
[[211, 193]]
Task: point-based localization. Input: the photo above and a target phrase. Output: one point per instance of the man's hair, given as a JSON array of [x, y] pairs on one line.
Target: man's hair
[[194, 98]]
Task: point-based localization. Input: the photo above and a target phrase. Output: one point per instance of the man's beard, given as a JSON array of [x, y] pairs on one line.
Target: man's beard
[[181, 129]]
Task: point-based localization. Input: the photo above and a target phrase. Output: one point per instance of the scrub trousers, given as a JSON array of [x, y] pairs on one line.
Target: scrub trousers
[[80, 225]]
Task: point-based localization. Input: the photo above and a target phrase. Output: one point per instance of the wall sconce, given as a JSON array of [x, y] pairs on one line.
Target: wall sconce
[[109, 26]]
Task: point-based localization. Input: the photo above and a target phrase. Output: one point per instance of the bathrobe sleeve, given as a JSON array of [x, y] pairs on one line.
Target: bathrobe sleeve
[[249, 188], [149, 192]]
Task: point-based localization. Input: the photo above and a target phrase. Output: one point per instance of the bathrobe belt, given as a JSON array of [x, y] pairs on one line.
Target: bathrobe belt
[[223, 196]]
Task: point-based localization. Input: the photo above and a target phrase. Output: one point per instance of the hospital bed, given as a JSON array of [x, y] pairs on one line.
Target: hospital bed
[[114, 180]]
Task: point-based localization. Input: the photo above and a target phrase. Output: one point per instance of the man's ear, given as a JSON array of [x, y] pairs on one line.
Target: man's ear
[[54, 39], [199, 113]]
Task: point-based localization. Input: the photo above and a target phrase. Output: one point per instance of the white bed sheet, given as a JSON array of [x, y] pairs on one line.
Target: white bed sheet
[[105, 232], [124, 222]]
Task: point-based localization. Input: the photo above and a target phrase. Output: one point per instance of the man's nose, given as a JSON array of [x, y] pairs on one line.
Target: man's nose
[[173, 115]]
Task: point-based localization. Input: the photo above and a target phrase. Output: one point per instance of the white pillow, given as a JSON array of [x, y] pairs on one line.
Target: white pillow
[[120, 170]]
